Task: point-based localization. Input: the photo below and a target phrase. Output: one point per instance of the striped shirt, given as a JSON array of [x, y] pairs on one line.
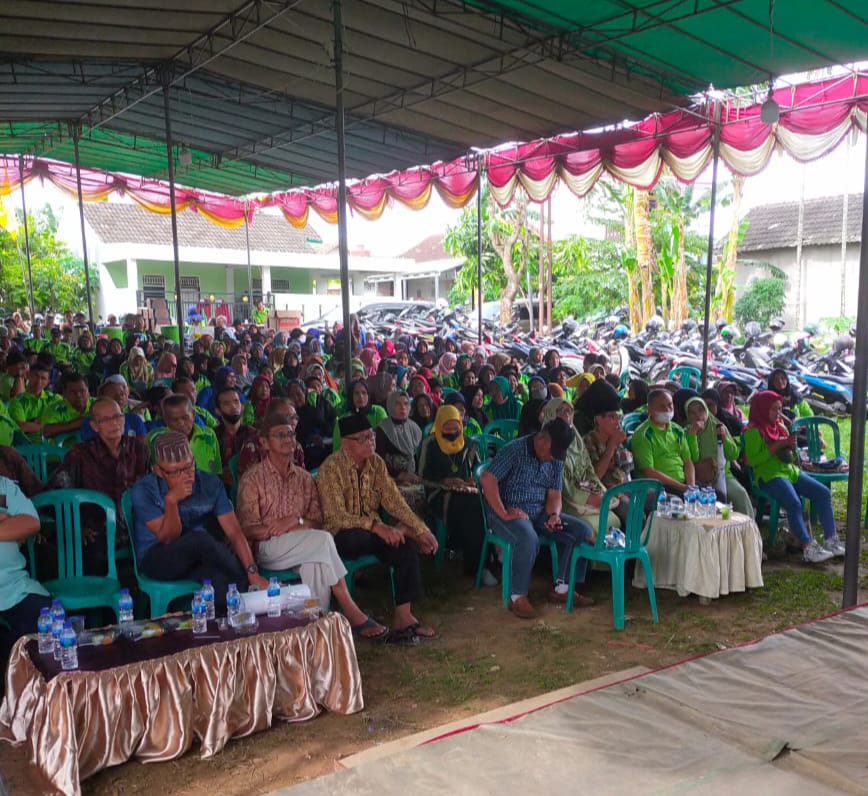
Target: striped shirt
[[522, 479]]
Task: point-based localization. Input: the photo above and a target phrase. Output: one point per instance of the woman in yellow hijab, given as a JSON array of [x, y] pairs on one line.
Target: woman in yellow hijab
[[446, 462]]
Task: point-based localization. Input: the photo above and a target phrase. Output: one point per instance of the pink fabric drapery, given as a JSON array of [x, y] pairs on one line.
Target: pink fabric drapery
[[815, 118]]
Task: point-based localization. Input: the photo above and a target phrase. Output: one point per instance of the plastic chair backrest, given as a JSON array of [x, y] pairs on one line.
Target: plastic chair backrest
[[637, 527], [67, 439], [38, 454], [507, 429], [686, 376], [484, 443], [814, 433], [631, 421], [127, 511], [427, 430], [66, 505]]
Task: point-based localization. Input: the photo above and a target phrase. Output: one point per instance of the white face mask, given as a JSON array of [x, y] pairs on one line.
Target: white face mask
[[663, 417]]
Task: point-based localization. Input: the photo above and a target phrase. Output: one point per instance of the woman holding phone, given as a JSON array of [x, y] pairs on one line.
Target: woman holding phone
[[771, 452]]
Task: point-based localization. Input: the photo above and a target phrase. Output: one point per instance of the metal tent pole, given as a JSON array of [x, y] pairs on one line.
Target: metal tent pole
[[26, 237], [716, 159], [480, 296], [343, 252], [248, 311], [76, 132], [170, 157], [857, 422]]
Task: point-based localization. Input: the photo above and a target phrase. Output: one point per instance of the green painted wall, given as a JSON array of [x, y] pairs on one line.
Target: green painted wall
[[118, 274]]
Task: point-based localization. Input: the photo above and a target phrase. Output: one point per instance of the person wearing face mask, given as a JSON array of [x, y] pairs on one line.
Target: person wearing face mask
[[232, 434], [537, 388], [446, 463], [660, 446]]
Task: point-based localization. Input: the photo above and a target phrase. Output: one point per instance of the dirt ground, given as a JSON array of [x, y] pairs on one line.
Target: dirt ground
[[483, 658]]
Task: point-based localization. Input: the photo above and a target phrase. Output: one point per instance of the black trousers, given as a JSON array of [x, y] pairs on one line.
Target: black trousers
[[357, 542], [22, 620], [196, 556]]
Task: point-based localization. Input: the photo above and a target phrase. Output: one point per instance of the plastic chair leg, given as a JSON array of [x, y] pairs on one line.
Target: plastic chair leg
[[571, 584], [482, 556], [617, 566], [506, 574], [649, 579]]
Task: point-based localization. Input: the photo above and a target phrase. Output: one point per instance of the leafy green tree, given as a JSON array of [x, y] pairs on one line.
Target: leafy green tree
[[592, 276], [58, 275], [763, 298]]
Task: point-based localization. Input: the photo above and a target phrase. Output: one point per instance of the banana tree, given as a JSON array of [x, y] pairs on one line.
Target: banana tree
[[646, 256]]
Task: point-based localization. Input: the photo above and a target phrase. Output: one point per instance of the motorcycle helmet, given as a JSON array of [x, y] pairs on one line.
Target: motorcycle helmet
[[843, 342], [654, 324], [776, 324], [620, 332], [752, 329], [689, 326], [728, 333], [568, 327], [719, 324], [38, 319], [812, 329], [853, 331]]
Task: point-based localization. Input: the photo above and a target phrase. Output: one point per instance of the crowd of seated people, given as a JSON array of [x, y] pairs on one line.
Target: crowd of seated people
[[391, 440]]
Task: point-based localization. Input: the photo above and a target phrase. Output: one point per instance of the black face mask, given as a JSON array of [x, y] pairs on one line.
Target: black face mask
[[231, 419], [451, 436]]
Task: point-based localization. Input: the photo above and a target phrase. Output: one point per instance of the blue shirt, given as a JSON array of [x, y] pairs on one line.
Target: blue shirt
[[15, 583], [208, 501], [134, 426], [522, 479]]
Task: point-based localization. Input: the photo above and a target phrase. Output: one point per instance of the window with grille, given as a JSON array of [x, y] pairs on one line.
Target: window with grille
[[280, 286], [153, 286]]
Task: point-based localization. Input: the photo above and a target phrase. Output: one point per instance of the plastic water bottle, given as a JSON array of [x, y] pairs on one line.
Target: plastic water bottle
[[200, 617], [690, 499], [125, 606], [233, 601], [273, 597], [68, 648], [710, 502], [43, 625], [58, 616], [208, 597], [662, 503]]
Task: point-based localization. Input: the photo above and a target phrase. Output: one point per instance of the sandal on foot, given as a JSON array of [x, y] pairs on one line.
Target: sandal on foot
[[368, 624]]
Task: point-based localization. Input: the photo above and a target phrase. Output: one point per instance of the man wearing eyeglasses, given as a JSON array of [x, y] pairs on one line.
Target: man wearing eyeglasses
[[354, 485], [279, 511], [175, 508], [110, 463]]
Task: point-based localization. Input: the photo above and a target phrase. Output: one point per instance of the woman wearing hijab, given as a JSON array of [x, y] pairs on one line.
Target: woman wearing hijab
[[257, 406], [771, 452], [463, 364], [711, 449], [225, 377], [381, 386], [398, 440], [504, 405], [359, 404], [728, 411], [446, 463], [166, 369], [582, 486], [289, 364], [530, 419], [370, 358], [537, 388], [471, 427], [637, 397], [136, 370], [474, 398], [794, 405], [422, 411], [446, 369]]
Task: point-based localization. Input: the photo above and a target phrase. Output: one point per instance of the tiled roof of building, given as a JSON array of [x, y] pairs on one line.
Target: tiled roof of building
[[128, 223], [428, 250], [776, 226]]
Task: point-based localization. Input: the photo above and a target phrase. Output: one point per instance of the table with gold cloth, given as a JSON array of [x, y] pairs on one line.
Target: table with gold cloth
[[709, 557], [77, 723]]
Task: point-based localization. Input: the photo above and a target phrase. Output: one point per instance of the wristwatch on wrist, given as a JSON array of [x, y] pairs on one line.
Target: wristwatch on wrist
[[252, 569]]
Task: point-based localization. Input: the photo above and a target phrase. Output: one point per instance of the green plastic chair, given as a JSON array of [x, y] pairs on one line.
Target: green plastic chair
[[160, 592], [283, 575], [38, 455], [813, 427], [631, 421], [72, 587], [505, 429], [492, 538], [232, 464], [636, 537], [66, 440], [686, 376], [353, 565], [484, 444]]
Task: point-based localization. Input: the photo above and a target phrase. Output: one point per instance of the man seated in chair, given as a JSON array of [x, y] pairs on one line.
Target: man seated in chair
[[110, 463], [523, 487], [279, 512], [175, 509], [21, 597], [27, 407], [232, 434], [660, 448], [178, 415], [68, 412], [354, 486]]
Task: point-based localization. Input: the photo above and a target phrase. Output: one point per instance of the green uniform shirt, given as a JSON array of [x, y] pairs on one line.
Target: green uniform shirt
[[8, 426], [35, 343], [203, 445], [82, 360], [207, 418], [766, 465], [61, 350], [664, 450], [260, 317], [61, 411], [26, 407]]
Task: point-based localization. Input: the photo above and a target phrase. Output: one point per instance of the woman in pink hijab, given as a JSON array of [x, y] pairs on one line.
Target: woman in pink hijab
[[371, 359]]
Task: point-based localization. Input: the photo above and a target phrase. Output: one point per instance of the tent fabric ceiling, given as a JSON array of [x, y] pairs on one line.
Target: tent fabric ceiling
[[252, 83]]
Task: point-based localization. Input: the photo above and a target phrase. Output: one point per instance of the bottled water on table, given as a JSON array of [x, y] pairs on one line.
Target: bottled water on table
[[125, 606], [690, 499], [68, 648], [208, 597], [233, 601], [200, 616], [662, 504], [43, 625], [710, 501], [58, 615], [273, 597]]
